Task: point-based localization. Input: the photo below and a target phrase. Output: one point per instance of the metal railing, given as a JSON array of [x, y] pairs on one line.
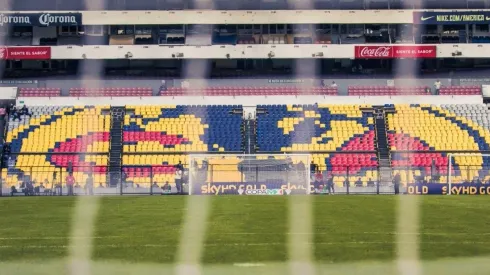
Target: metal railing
[[228, 179]]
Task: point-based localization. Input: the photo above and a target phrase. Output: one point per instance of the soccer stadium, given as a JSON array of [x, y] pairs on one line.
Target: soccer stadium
[[195, 137]]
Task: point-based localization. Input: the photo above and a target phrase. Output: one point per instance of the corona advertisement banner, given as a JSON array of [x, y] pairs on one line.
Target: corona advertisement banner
[[41, 19]]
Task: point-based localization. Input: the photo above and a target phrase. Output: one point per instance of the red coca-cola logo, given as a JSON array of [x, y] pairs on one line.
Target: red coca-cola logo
[[374, 52]]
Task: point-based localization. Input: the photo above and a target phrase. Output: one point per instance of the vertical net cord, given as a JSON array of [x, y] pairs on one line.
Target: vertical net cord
[[300, 243], [407, 234], [5, 5], [408, 207], [82, 234], [86, 207], [193, 235]]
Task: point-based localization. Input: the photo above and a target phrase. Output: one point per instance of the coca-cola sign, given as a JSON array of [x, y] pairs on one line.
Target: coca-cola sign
[[369, 52], [414, 51], [382, 52]]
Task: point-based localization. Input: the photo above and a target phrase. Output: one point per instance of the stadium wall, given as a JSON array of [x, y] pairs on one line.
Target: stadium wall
[[163, 17], [66, 84], [285, 51]]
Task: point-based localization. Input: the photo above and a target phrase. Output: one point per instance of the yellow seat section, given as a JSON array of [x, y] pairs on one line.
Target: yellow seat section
[[85, 129], [144, 169], [41, 143], [39, 170], [461, 128], [170, 128], [441, 129]]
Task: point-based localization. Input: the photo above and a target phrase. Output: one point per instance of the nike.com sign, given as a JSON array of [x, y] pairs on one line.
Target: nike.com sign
[[41, 19], [451, 17]]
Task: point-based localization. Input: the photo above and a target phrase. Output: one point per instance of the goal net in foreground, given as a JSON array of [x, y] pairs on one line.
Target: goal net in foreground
[[249, 174], [467, 174]]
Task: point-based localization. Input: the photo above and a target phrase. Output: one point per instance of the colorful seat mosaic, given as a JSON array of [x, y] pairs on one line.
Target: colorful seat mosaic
[[155, 138], [53, 138], [324, 130], [421, 136]]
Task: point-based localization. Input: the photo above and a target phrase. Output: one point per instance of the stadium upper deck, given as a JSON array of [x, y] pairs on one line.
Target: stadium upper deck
[[249, 4]]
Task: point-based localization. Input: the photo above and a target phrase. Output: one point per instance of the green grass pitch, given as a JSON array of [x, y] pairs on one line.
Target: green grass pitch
[[145, 231]]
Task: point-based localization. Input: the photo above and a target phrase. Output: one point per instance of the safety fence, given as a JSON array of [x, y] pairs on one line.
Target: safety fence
[[218, 179]]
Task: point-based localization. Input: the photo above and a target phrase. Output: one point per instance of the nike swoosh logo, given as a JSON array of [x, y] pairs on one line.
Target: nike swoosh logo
[[487, 18], [426, 18]]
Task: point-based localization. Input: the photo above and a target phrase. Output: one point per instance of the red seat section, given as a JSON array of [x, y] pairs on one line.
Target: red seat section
[[386, 90], [352, 163], [81, 144], [111, 91], [78, 164], [460, 90], [133, 172], [415, 90], [249, 91], [153, 136], [39, 92]]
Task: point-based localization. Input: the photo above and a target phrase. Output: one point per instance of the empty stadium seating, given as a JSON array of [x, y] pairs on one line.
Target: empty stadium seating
[[387, 90], [182, 128], [341, 140], [175, 130], [113, 91], [39, 92], [250, 91], [322, 128], [314, 128], [460, 90], [54, 138], [430, 132], [143, 169], [351, 166], [416, 90]]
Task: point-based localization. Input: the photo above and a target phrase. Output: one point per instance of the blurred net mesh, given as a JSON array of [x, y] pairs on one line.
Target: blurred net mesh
[[252, 170]]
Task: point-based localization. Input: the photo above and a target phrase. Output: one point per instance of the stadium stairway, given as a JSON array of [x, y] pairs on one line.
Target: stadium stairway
[[249, 129], [382, 144], [115, 153]]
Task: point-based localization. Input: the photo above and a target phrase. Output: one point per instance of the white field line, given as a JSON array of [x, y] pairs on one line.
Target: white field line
[[254, 233], [353, 243], [83, 227], [446, 266], [248, 264], [192, 238], [408, 224], [300, 248]]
